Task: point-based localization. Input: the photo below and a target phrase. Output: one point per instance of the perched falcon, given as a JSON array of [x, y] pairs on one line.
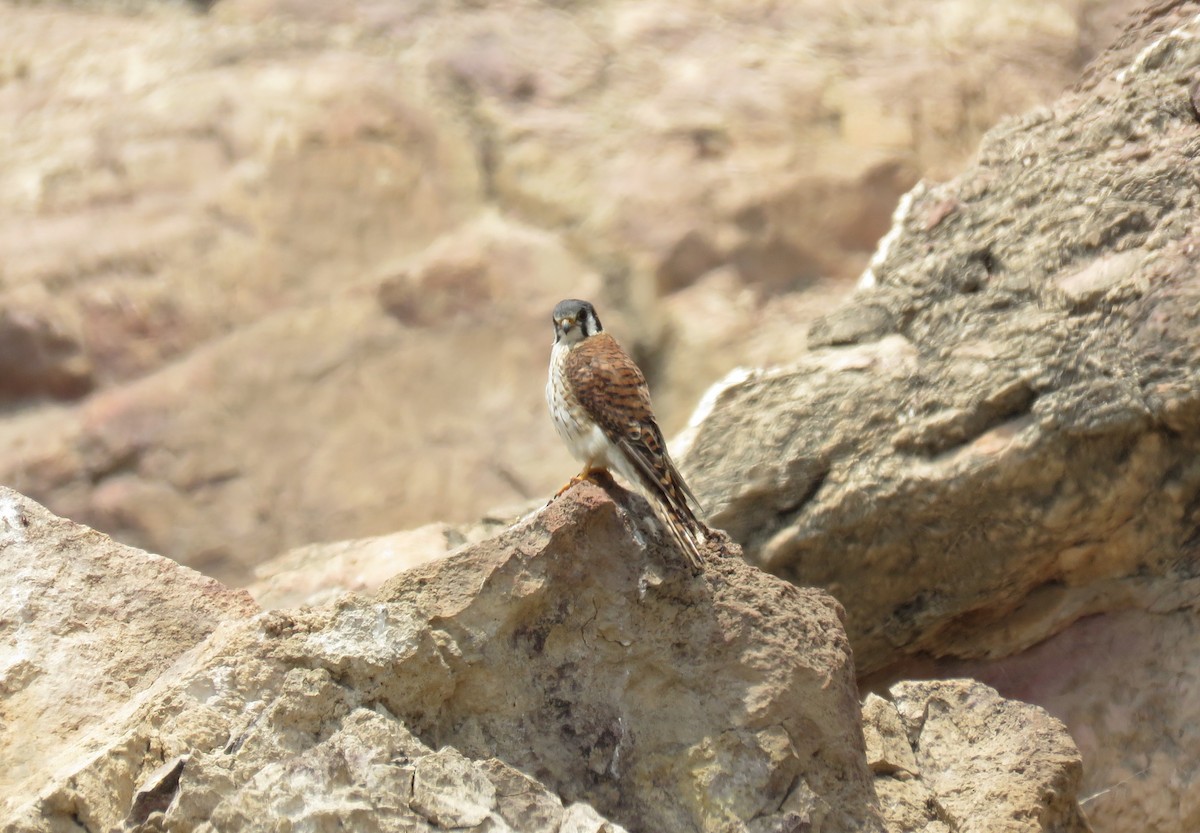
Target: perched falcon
[[601, 407]]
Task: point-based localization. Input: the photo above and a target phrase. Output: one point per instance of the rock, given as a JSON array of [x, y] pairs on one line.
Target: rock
[[888, 750], [581, 818], [283, 416], [609, 696], [87, 626], [227, 739], [372, 774], [1122, 682], [991, 764], [233, 171], [568, 674], [1014, 455], [449, 792], [157, 791], [40, 348], [526, 805], [954, 755], [319, 573], [1011, 447], [736, 689], [718, 324]]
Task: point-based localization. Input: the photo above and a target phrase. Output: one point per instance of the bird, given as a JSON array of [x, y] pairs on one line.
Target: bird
[[600, 404]]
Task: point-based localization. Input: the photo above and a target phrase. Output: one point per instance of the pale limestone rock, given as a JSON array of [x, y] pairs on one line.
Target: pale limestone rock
[[573, 675], [449, 791], [86, 626], [523, 803], [992, 765], [973, 762], [582, 818], [318, 573], [908, 806], [574, 647], [1126, 686], [624, 694], [887, 743]]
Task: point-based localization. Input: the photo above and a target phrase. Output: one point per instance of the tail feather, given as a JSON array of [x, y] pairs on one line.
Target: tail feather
[[686, 535], [670, 494]]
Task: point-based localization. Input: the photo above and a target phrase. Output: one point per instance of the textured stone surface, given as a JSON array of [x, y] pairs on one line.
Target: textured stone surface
[[370, 774], [993, 457], [254, 290], [999, 437], [1125, 684], [993, 765], [86, 626], [574, 647], [319, 573], [886, 738], [286, 415], [954, 755], [625, 663], [567, 675]]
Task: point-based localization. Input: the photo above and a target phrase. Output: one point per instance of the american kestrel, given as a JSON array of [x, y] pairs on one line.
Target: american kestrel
[[601, 408]]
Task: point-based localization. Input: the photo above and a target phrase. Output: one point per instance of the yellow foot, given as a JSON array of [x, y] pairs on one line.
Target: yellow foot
[[576, 479], [586, 474]]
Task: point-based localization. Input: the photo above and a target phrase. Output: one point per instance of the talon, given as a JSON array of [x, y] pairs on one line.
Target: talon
[[579, 478], [586, 474]]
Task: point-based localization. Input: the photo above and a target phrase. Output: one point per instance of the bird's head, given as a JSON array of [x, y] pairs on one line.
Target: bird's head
[[574, 321]]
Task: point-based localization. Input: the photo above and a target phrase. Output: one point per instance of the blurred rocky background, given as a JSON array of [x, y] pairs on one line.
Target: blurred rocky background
[[278, 274]]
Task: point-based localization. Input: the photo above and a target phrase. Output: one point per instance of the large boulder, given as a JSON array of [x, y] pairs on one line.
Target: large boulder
[[1001, 432], [569, 674], [999, 435]]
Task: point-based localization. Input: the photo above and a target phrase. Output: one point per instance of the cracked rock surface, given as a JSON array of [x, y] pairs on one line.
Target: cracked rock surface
[[999, 436], [567, 675], [86, 626], [992, 454]]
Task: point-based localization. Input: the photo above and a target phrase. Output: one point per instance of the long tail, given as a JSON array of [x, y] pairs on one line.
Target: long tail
[[688, 532], [670, 494]]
